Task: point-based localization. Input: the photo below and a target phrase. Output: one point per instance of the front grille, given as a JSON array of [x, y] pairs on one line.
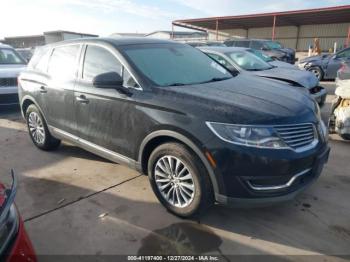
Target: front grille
[[7, 82], [297, 136]]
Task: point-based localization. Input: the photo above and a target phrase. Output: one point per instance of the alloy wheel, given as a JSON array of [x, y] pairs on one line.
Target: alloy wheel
[[36, 127], [174, 181]]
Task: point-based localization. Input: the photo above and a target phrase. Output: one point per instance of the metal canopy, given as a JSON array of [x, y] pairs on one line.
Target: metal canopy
[[329, 15]]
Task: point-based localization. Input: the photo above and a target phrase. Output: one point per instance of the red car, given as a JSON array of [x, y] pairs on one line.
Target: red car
[[15, 245]]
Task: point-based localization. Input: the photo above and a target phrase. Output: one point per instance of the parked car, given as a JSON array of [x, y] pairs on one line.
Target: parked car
[[237, 58], [339, 121], [274, 62], [201, 133], [325, 66], [273, 49], [26, 53], [11, 64], [205, 43], [15, 245]]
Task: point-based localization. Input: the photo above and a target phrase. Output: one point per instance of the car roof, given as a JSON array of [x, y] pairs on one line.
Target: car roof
[[5, 46], [250, 39], [117, 41], [222, 49]]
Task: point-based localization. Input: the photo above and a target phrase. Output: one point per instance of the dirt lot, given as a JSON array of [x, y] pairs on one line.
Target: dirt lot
[[63, 193]]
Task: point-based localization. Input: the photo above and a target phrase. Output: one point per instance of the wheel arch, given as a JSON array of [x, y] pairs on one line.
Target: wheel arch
[[162, 136], [26, 101]]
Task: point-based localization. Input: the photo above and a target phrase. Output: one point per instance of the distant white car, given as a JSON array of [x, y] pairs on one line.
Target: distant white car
[[11, 64]]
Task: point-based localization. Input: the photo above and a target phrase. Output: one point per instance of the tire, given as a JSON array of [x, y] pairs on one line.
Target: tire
[[38, 131], [317, 71], [345, 136], [198, 189]]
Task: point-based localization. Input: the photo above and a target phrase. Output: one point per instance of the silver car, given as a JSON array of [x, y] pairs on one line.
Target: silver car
[[240, 59], [11, 64]]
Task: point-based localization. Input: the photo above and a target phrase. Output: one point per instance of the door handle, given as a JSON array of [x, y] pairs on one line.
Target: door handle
[[43, 89], [82, 99]]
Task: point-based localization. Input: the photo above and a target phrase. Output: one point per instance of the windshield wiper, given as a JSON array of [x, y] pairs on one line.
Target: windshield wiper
[[216, 79], [175, 84]]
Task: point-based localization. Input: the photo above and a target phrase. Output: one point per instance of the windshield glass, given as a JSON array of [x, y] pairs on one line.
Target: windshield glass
[[260, 54], [249, 61], [10, 56], [175, 64], [272, 45]]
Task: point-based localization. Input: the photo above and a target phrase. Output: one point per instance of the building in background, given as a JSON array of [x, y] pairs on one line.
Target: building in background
[[46, 38], [179, 35], [127, 35], [294, 29]]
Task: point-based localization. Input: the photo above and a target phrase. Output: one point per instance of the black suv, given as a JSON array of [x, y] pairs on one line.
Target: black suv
[[201, 133], [273, 49]]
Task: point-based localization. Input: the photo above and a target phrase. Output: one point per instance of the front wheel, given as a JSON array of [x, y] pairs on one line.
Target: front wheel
[[317, 72], [180, 180], [38, 131]]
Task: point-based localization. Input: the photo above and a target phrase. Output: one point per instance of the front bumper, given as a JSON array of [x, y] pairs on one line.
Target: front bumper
[[320, 96], [253, 177], [314, 173]]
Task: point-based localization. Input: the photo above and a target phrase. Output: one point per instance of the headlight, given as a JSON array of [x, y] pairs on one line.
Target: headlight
[[253, 136]]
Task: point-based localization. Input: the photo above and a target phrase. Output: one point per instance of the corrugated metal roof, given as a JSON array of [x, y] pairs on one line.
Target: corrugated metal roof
[[328, 15]]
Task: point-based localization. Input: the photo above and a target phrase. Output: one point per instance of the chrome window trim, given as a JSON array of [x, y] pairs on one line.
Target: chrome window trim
[[117, 56]]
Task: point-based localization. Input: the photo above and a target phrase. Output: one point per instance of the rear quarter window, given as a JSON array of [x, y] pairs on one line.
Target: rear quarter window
[[40, 59]]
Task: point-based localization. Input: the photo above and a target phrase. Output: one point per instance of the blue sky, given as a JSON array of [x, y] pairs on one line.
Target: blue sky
[[103, 17]]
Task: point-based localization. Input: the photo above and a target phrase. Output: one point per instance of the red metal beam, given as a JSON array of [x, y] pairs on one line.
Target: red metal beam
[[348, 38], [217, 30]]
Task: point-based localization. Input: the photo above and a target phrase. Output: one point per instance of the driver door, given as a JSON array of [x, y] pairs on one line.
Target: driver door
[[335, 63], [100, 112]]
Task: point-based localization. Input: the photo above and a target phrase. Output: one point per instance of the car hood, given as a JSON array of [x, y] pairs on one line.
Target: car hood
[[282, 64], [11, 70], [314, 58], [289, 75], [244, 99]]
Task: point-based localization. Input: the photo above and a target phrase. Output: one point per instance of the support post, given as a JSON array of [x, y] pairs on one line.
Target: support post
[[274, 27], [217, 29], [172, 31], [348, 38]]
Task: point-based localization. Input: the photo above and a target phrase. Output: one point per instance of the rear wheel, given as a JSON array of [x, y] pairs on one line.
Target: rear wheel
[[38, 131], [180, 180], [317, 72]]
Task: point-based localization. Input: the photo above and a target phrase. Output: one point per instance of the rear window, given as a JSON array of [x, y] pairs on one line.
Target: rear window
[[63, 62]]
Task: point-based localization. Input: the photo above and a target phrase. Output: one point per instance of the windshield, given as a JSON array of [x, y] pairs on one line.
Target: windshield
[[249, 61], [260, 54], [175, 64], [272, 45], [10, 56]]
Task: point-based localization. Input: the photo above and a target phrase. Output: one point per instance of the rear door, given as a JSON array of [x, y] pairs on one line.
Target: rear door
[[59, 91]]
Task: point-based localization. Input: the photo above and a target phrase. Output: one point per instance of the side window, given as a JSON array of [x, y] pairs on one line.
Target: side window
[[344, 54], [128, 80], [242, 43], [220, 59], [256, 45], [63, 62], [99, 60]]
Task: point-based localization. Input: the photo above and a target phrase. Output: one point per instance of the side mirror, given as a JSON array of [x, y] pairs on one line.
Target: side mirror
[[107, 80]]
